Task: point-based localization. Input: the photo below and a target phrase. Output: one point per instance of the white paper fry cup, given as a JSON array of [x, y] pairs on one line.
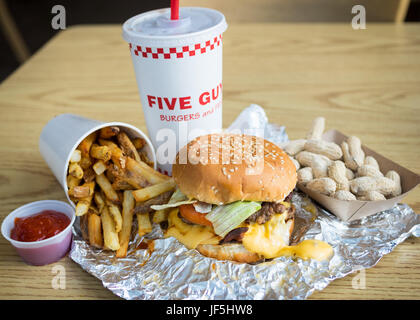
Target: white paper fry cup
[[63, 134], [178, 68]]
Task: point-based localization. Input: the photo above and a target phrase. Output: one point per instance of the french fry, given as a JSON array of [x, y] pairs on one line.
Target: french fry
[[85, 162], [108, 132], [72, 182], [86, 144], [95, 230], [89, 175], [120, 184], [75, 170], [106, 187], [100, 152], [144, 170], [110, 235], [76, 156], [115, 213], [117, 154], [160, 216], [111, 145], [145, 158], [99, 167], [144, 225], [110, 174], [93, 209], [145, 206], [127, 215], [147, 193], [136, 180], [84, 227], [127, 146], [120, 195], [82, 206], [82, 191], [99, 200], [139, 143]]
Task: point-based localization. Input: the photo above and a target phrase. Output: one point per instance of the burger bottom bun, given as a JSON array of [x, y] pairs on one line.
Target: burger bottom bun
[[234, 251], [228, 251]]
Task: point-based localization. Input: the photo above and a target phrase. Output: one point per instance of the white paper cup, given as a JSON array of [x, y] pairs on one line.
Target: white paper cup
[[44, 251], [63, 134], [178, 68]]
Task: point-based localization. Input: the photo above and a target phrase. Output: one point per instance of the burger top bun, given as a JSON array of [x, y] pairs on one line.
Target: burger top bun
[[223, 168]]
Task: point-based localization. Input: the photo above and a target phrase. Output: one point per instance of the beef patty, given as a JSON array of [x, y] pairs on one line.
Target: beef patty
[[268, 209]]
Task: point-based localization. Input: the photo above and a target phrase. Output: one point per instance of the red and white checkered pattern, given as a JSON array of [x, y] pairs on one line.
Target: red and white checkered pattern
[[175, 53]]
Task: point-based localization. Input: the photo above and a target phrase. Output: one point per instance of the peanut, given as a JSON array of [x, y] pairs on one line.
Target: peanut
[[355, 148], [371, 161], [372, 196], [348, 160], [375, 196], [337, 172], [307, 159], [325, 186], [318, 126], [386, 186], [328, 149], [317, 162], [295, 162], [320, 169], [295, 146], [344, 195], [394, 176], [305, 175], [349, 174], [360, 186], [369, 171]]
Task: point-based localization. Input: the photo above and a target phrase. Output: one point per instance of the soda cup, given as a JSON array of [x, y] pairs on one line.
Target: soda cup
[[178, 68]]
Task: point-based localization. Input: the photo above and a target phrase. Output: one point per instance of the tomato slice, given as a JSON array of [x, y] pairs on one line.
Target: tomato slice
[[188, 212]]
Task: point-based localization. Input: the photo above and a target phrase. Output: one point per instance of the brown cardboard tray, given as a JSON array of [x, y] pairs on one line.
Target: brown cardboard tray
[[349, 210]]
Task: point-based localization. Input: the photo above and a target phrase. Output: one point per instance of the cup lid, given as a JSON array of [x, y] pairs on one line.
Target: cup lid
[[156, 29]]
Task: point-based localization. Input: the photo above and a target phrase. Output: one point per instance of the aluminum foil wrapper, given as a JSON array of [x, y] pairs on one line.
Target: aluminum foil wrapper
[[159, 268]]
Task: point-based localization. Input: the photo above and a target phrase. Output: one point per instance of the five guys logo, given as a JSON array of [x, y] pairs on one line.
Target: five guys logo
[[183, 103]]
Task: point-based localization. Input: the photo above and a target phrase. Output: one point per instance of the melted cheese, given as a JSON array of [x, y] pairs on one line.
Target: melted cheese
[[286, 204], [189, 235], [308, 249], [271, 240], [268, 238]]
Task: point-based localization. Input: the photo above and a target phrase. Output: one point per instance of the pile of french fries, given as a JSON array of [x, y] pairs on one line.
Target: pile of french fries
[[109, 174]]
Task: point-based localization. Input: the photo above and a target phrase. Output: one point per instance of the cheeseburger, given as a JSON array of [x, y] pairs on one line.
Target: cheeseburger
[[233, 197]]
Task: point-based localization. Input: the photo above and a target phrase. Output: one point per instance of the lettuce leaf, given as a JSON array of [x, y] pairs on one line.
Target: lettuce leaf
[[177, 199], [225, 218]]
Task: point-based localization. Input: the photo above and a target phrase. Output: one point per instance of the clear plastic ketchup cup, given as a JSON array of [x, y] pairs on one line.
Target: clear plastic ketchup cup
[[44, 251]]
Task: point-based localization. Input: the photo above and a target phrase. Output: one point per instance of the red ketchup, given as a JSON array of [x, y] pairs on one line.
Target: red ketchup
[[40, 226]]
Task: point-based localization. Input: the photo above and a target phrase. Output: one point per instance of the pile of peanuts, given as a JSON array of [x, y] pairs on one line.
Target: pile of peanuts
[[342, 172]]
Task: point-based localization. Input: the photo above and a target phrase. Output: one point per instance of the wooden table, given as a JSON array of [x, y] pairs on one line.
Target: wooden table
[[365, 82]]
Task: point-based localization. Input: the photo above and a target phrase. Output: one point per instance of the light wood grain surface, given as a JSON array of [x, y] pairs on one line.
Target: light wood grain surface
[[365, 83]]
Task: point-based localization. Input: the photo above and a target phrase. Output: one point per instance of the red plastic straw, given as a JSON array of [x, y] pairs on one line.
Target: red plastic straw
[[174, 9]]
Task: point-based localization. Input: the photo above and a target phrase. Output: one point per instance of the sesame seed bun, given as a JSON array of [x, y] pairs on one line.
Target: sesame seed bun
[[223, 168]]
